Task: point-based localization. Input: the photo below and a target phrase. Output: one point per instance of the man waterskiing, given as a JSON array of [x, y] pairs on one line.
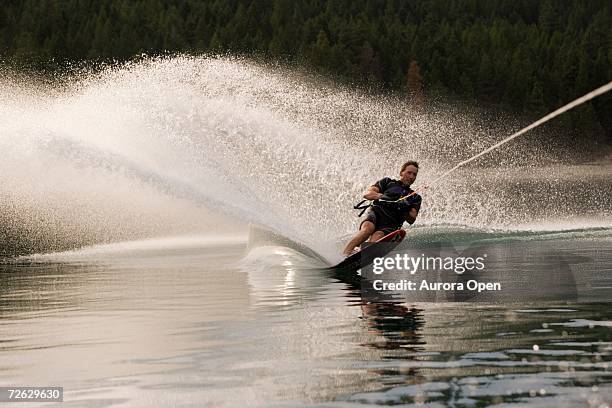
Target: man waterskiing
[[393, 203]]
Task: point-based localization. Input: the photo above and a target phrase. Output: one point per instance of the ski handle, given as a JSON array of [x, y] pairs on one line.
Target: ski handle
[[363, 205]]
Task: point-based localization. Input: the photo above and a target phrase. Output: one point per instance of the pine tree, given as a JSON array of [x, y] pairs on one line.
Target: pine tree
[[414, 83]]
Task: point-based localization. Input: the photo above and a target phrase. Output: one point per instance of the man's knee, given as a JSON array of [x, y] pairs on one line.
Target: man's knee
[[367, 227]]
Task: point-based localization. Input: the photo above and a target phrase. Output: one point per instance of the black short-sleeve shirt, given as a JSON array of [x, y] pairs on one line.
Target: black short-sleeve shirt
[[393, 190]]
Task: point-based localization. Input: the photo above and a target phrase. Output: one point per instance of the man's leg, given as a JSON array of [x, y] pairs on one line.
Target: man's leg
[[376, 236], [365, 230]]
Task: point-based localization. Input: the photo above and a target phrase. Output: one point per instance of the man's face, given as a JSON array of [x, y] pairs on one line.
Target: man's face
[[409, 174]]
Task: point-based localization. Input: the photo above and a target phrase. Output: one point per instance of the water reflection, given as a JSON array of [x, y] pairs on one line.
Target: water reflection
[[195, 327], [538, 353]]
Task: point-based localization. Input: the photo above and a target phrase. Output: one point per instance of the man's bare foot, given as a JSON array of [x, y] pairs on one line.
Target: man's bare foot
[[353, 252]]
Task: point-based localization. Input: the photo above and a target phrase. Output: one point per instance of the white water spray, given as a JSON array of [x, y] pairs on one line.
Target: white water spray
[[148, 149]]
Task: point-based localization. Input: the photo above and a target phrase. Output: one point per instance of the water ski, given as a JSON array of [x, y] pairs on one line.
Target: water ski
[[374, 250]]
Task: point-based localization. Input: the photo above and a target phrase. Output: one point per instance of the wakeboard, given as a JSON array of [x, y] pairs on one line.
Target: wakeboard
[[368, 252]]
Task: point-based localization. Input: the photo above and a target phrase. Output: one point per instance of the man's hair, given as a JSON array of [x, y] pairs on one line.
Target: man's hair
[[409, 163]]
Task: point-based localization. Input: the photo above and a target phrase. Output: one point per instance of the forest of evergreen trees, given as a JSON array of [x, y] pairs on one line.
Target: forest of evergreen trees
[[526, 55]]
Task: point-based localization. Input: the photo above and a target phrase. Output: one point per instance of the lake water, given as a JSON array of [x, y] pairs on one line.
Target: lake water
[[198, 322], [192, 149]]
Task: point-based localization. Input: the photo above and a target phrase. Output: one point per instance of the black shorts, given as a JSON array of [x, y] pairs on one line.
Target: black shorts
[[381, 222]]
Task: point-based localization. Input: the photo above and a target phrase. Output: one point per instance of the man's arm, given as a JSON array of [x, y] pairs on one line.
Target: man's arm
[[372, 193], [411, 216]]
